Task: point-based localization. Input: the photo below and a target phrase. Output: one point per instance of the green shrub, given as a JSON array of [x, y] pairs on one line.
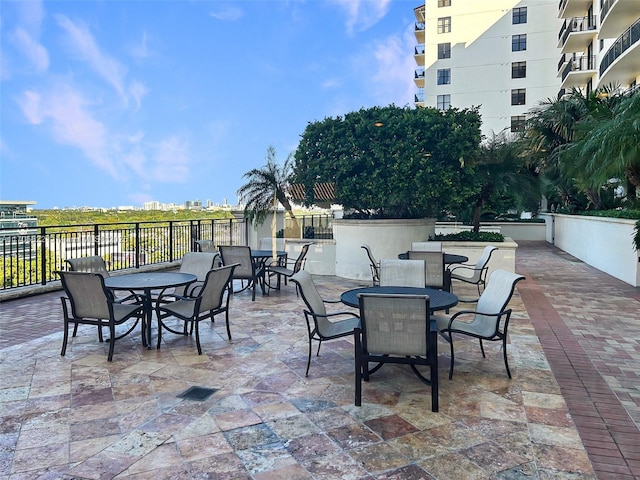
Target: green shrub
[[467, 236]]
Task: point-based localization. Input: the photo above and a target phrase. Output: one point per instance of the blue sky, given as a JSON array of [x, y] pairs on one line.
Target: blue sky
[[114, 103]]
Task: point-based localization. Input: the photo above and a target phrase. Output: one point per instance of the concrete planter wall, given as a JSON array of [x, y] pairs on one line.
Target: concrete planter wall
[[387, 238], [514, 230], [343, 256], [604, 243]]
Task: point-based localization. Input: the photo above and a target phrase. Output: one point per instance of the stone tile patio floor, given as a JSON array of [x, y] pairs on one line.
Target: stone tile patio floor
[[571, 410]]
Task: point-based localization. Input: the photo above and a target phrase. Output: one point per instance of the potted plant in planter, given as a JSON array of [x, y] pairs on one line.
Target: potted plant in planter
[[394, 170], [391, 162]]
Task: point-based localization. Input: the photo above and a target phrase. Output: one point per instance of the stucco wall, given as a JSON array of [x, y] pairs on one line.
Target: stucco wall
[[604, 243]]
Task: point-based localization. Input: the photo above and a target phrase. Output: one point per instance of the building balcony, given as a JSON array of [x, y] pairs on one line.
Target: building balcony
[[573, 8], [621, 64], [616, 16], [564, 59], [578, 71], [419, 32], [418, 77], [577, 33], [419, 96], [418, 54]]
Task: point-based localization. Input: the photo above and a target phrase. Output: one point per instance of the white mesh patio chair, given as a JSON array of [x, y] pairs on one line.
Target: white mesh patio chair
[[209, 247], [205, 301], [426, 246], [473, 274], [89, 302], [322, 326], [198, 264], [286, 270], [373, 264], [396, 329], [434, 267], [245, 271], [490, 319], [402, 273]]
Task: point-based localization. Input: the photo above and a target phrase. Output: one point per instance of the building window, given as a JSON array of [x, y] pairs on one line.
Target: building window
[[444, 50], [518, 43], [444, 25], [444, 3], [518, 70], [519, 15], [518, 96], [444, 102], [444, 76], [517, 123]]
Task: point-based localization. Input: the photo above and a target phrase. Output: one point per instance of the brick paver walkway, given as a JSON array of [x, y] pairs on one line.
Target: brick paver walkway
[[589, 327]]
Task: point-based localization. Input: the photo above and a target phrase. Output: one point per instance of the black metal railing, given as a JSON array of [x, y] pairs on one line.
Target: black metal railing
[[31, 256], [576, 24], [605, 6], [579, 64], [630, 36], [310, 226]]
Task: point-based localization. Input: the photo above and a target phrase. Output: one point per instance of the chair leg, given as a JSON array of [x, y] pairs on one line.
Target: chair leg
[[227, 320], [65, 338], [308, 358], [358, 373], [482, 348], [504, 353], [198, 337], [159, 334], [452, 356], [112, 341]]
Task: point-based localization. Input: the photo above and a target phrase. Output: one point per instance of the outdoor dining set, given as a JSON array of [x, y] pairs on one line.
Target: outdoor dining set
[[396, 319]]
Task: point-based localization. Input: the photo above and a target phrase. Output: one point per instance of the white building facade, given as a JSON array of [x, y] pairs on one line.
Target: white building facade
[[505, 56], [599, 42]]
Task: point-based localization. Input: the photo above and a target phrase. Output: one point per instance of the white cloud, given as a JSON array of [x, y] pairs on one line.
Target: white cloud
[[227, 13], [363, 14], [331, 83], [141, 51], [171, 160], [392, 79], [30, 106], [112, 71], [137, 91], [35, 53], [31, 15], [65, 110], [108, 68]]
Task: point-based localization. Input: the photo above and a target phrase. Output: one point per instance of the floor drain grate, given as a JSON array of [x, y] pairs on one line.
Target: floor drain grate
[[198, 393]]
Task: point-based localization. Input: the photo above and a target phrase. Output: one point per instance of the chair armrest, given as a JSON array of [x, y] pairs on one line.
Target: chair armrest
[[473, 312], [465, 267], [335, 314], [332, 301]]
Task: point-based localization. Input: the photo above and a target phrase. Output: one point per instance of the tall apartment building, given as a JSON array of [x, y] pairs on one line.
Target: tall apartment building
[[600, 44], [505, 56]]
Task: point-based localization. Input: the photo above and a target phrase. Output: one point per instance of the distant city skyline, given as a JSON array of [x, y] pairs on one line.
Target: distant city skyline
[[121, 103]]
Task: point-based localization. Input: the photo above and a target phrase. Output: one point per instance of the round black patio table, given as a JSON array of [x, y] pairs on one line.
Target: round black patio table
[[438, 299], [260, 257], [148, 281], [449, 258]]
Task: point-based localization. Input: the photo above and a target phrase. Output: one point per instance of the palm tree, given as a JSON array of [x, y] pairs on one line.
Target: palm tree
[[610, 144], [501, 170], [266, 187], [555, 129]]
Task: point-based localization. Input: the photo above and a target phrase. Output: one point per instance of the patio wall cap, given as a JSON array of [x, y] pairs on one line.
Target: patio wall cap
[[384, 221]]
